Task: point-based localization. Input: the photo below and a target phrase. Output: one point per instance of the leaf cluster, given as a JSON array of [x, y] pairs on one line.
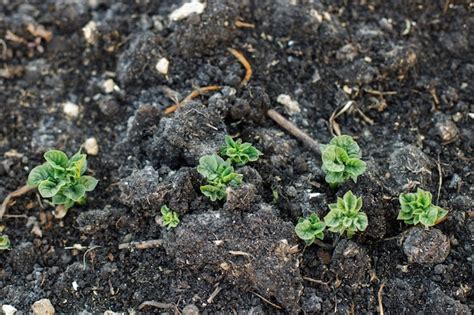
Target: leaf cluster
[[170, 218], [4, 242], [418, 208], [345, 215], [219, 174], [239, 153], [341, 160], [310, 228], [62, 179]]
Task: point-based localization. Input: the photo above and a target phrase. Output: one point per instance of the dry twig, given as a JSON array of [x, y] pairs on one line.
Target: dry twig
[[379, 295], [242, 24], [20, 191], [142, 244], [248, 68], [333, 125], [316, 281], [295, 131], [214, 294], [191, 96], [267, 301]]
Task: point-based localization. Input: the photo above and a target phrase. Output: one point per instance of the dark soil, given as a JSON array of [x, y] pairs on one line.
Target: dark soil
[[408, 66]]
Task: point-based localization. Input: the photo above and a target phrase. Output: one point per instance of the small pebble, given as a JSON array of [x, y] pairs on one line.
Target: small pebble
[[43, 307], [162, 66], [109, 86], [193, 7], [291, 105], [90, 32], [8, 309], [70, 109], [190, 309], [447, 130], [91, 146]]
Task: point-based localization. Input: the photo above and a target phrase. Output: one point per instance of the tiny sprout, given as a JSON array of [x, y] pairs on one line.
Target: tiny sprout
[[170, 218], [309, 229], [341, 160], [4, 242], [62, 179], [345, 215], [238, 152], [219, 175], [417, 208]]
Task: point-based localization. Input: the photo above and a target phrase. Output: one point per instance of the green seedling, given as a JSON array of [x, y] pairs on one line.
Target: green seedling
[[309, 229], [219, 174], [345, 215], [4, 242], [170, 218], [62, 179], [341, 160], [239, 153], [417, 208]]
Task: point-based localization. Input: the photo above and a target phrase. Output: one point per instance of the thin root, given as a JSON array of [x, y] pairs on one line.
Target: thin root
[[248, 68], [295, 131], [192, 96]]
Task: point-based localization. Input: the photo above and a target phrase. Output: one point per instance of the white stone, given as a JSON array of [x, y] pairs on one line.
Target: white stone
[[43, 307], [75, 286], [109, 86], [91, 146], [162, 66], [291, 105], [90, 32], [70, 109], [187, 9], [8, 309]]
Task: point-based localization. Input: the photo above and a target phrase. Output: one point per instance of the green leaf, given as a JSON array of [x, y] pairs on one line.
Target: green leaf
[[329, 157], [335, 178], [361, 221], [355, 167], [214, 192], [39, 174], [75, 192], [4, 242], [348, 144], [57, 159], [59, 199], [77, 165], [350, 201], [89, 182], [418, 208], [48, 189], [208, 165]]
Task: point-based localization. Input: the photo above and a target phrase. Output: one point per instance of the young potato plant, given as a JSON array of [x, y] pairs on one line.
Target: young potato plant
[[219, 174], [4, 242], [418, 208], [341, 160], [309, 229], [345, 215], [170, 218], [239, 153], [62, 179]]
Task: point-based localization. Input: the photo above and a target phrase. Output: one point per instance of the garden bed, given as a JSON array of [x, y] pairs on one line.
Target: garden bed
[[396, 77]]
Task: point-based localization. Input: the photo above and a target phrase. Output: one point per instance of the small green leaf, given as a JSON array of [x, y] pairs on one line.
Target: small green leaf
[[4, 242], [214, 192], [345, 216], [89, 182], [39, 174], [75, 192], [48, 189], [418, 208], [57, 159]]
